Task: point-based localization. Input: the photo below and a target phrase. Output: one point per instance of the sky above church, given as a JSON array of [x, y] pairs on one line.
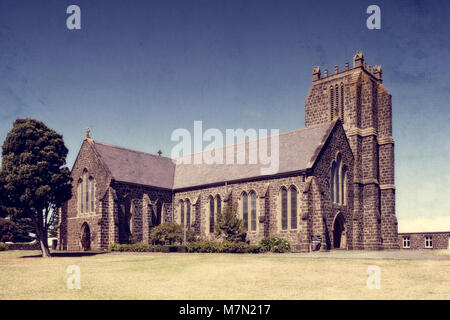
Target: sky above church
[[138, 70]]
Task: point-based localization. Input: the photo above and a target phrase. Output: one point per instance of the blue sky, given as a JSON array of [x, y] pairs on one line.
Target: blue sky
[[137, 70]]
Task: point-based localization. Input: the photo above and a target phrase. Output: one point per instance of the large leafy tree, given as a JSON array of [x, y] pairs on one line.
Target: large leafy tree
[[11, 231], [35, 180]]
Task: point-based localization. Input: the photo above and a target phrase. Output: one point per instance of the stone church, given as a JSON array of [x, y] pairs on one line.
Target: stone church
[[334, 188]]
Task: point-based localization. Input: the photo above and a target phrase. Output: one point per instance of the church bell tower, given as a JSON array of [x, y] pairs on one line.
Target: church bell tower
[[359, 99]]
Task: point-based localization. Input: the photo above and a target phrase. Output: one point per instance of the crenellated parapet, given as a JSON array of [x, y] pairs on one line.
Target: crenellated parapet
[[358, 63]]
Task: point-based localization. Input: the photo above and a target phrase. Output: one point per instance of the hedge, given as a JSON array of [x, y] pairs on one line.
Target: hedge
[[223, 247], [265, 245], [2, 247], [144, 247]]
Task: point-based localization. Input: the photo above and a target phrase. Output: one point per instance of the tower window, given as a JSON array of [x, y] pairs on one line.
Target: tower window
[[332, 102], [342, 102]]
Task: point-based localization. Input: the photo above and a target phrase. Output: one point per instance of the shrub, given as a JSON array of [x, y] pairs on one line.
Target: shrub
[[229, 226], [204, 247], [191, 236], [2, 247], [223, 247], [273, 244], [167, 232]]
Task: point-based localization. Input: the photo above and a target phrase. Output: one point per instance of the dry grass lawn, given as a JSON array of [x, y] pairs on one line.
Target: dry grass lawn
[[219, 276]]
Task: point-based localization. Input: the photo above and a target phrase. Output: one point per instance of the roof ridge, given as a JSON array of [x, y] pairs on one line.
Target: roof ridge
[[329, 124], [132, 150]]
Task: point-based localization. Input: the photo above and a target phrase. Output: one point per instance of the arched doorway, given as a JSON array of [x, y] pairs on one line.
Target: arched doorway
[[85, 237], [339, 232]]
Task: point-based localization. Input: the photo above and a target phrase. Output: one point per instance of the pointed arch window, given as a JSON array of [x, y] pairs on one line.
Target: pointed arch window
[[92, 192], [339, 181], [218, 204], [342, 103], [284, 212], [86, 193], [245, 210], [332, 102], [252, 211], [293, 192], [188, 213], [344, 185], [182, 212], [336, 107], [80, 196], [211, 214]]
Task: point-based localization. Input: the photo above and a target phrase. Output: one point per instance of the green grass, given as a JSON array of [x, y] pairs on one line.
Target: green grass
[[218, 276]]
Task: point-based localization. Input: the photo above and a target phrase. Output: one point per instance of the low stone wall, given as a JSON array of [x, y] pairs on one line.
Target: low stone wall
[[23, 246]]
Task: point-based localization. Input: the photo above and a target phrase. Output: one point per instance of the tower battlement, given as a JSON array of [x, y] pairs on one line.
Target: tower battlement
[[358, 63]]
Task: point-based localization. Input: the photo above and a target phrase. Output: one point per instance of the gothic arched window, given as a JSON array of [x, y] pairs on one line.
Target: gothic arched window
[[284, 213], [342, 102], [211, 214], [188, 213], [218, 204], [86, 193], [332, 102], [182, 213], [245, 210], [253, 211], [338, 181], [293, 192]]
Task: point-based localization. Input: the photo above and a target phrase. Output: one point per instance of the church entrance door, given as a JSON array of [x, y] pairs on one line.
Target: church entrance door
[[339, 232], [85, 237]]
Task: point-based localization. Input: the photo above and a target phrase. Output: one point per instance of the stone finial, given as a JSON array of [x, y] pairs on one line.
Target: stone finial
[[316, 74], [325, 73], [347, 66], [358, 59], [336, 69], [377, 72], [88, 136]]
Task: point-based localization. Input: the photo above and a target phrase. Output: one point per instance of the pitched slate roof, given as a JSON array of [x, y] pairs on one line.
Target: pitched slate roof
[[137, 167], [298, 150]]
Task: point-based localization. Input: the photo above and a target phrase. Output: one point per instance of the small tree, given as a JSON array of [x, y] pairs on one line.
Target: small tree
[[229, 226], [33, 174]]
